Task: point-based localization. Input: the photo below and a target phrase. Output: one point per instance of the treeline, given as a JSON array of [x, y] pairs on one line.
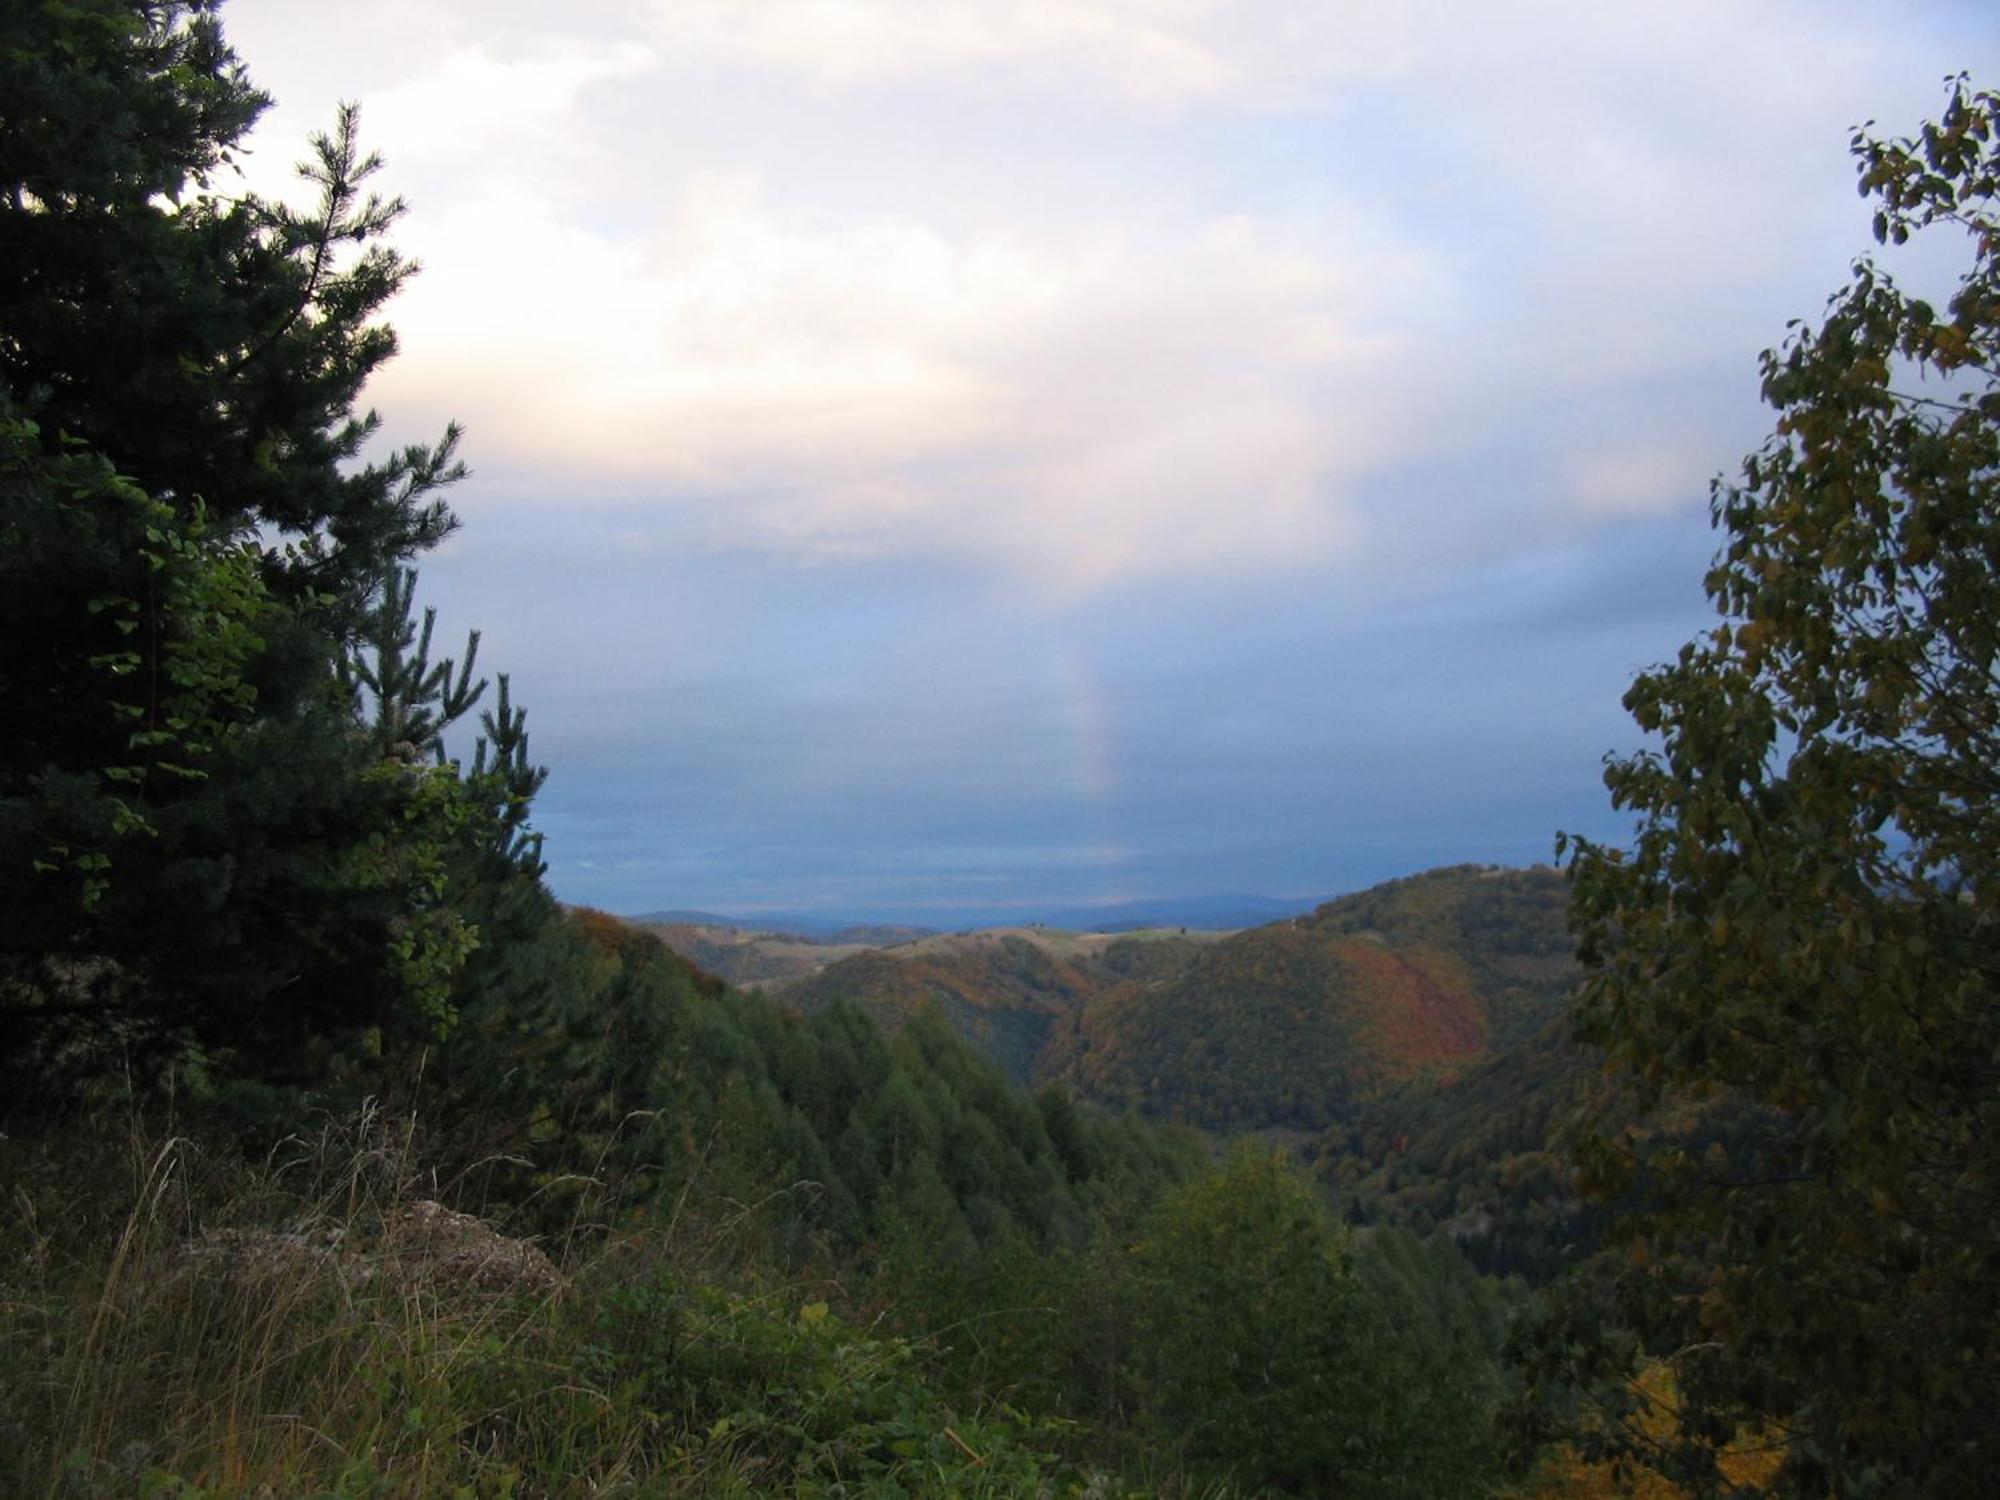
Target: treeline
[[622, 1068]]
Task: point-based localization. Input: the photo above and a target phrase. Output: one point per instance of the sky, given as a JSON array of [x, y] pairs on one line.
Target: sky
[[938, 459]]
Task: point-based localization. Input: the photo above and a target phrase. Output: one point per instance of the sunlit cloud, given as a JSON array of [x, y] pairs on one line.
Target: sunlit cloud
[[1079, 393], [728, 349], [1110, 402], [476, 103]]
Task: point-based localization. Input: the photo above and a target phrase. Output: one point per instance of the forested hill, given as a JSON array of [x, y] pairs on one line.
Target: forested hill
[[1410, 1038], [751, 957], [1004, 992], [1295, 1024]]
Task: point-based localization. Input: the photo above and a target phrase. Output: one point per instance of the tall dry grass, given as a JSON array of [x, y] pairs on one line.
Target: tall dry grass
[[176, 1323]]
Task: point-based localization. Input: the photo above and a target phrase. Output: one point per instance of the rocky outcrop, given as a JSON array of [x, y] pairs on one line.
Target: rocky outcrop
[[421, 1246], [426, 1245]]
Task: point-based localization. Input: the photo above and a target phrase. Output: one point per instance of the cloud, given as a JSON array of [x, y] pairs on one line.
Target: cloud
[[1088, 405], [463, 89], [1555, 60], [477, 102], [729, 350], [1346, 375], [1152, 53], [837, 322]]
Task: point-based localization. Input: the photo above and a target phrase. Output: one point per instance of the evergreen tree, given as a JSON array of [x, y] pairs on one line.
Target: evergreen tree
[[211, 347], [1259, 1351], [200, 846]]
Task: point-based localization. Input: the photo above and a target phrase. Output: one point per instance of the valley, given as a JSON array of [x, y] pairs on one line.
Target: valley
[[1284, 1025], [1405, 1042]]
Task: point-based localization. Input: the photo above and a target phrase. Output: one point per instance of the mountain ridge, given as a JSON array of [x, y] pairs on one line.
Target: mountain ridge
[[1290, 1024], [1225, 911]]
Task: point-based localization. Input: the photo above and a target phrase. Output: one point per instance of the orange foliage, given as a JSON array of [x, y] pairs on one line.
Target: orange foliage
[[1420, 1011], [600, 929], [1748, 1464], [611, 938]]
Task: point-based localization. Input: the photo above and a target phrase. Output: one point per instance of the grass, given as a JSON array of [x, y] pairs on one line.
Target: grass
[[175, 1322], [172, 1323]]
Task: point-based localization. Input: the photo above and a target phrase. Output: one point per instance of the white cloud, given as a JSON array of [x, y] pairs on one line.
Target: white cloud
[[1547, 60], [475, 102], [1155, 53], [636, 276], [729, 351], [1107, 403]]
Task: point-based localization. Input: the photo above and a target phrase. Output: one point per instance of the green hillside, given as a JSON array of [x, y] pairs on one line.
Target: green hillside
[[1005, 993], [1411, 1034], [1474, 1154], [1508, 929], [749, 957]]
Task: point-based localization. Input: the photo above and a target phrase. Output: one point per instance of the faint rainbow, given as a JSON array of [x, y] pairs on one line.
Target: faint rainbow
[[1093, 762]]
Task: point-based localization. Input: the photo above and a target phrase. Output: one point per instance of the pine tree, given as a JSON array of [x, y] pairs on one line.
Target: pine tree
[[212, 347], [204, 851]]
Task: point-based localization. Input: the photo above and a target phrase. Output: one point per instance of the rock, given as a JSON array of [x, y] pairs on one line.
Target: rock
[[289, 1255], [426, 1244], [422, 1246]]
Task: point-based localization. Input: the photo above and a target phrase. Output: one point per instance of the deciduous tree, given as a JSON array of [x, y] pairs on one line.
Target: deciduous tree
[[1807, 924]]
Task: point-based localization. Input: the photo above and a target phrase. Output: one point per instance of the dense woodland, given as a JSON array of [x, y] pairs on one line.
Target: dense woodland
[[1672, 1170]]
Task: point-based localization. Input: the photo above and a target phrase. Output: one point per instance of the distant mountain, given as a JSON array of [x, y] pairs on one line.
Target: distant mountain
[[811, 929], [776, 950], [1207, 913], [751, 960], [681, 919], [880, 934], [761, 957]]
